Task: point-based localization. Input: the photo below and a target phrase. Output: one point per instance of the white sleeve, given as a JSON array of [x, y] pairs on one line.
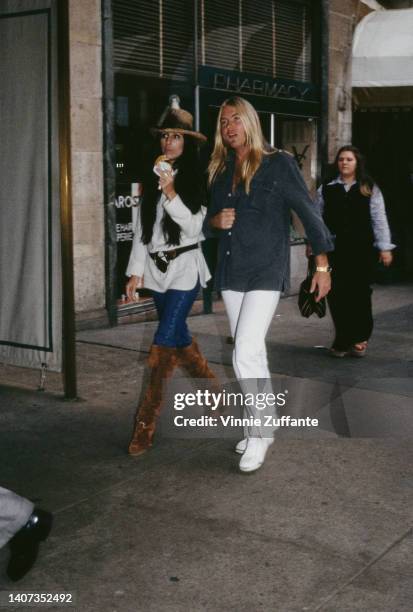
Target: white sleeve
[[381, 230], [190, 223], [319, 200], [139, 252]]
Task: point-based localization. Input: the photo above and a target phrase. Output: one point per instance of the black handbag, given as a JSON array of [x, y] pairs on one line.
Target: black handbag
[[306, 300]]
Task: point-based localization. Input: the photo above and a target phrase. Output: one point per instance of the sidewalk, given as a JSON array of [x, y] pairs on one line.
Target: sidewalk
[[326, 524]]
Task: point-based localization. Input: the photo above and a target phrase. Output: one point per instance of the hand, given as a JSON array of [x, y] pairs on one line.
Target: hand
[[167, 183], [224, 219], [134, 283], [322, 283], [386, 257]]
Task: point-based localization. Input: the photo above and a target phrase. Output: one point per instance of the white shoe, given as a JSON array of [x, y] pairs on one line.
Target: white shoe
[[254, 455], [241, 447]]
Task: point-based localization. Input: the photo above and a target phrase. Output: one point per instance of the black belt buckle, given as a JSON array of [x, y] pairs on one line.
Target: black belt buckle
[[161, 264]]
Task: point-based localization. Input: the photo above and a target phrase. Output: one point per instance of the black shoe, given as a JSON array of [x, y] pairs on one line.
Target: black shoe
[[24, 546]]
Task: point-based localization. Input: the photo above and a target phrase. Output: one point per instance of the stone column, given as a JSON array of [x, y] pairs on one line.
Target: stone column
[[87, 154], [343, 18]]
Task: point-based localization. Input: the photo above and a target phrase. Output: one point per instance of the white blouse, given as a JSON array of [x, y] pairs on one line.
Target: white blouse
[[184, 271]]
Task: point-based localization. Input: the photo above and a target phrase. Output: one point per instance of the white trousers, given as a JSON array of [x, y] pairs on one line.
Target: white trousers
[[250, 315], [15, 511]]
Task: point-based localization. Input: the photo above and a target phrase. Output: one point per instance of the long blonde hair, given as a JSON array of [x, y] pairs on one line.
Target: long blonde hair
[[254, 140]]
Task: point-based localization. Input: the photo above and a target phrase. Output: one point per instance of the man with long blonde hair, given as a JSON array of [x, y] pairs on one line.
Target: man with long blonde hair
[[253, 189]]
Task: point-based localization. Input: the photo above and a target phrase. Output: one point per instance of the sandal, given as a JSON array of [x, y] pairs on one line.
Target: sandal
[[359, 349]]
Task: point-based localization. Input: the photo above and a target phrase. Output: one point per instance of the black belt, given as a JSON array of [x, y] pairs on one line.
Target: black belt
[[162, 258]]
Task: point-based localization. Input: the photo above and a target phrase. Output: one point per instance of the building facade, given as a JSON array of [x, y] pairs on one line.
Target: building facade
[[290, 58]]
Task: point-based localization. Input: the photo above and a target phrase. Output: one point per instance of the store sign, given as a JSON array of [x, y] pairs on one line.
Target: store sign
[[126, 202], [122, 201], [255, 85]]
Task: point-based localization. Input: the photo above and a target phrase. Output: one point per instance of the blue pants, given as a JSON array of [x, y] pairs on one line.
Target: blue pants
[[173, 307]]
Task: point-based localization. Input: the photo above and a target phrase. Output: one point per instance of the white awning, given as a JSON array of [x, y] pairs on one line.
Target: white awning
[[383, 50]]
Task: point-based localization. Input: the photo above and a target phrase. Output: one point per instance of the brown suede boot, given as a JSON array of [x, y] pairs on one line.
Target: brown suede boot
[[162, 360], [191, 358]]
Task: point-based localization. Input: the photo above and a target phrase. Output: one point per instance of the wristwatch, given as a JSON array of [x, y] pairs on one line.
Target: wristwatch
[[323, 269]]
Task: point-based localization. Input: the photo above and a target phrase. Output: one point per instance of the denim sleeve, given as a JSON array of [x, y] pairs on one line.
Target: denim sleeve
[[298, 198], [381, 230]]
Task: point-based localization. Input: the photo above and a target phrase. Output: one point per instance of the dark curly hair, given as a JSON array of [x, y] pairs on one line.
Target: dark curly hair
[[189, 185]]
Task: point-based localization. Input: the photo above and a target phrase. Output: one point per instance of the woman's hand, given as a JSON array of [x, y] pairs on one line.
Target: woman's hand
[[224, 219], [134, 283], [386, 257], [308, 250], [167, 184]]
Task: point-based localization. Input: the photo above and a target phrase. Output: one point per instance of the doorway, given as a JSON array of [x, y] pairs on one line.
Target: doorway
[[385, 137]]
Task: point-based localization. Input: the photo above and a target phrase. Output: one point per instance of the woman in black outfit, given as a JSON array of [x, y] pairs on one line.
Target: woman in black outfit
[[353, 209]]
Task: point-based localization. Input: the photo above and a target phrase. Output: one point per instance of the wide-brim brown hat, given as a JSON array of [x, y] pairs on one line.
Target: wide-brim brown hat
[[177, 120]]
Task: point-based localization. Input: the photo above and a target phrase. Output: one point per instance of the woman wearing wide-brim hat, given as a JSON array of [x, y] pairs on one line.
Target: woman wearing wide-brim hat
[[166, 257], [179, 121]]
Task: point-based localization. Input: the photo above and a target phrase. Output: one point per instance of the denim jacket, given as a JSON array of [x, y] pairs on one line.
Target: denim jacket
[[255, 253]]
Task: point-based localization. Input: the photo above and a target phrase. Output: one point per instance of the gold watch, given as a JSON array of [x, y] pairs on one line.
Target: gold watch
[[323, 269]]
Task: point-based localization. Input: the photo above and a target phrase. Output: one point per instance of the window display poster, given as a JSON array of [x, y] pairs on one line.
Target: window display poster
[[127, 200]]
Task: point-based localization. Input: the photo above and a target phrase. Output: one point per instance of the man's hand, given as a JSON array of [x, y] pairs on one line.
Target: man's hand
[[134, 283], [224, 219], [386, 257], [322, 283]]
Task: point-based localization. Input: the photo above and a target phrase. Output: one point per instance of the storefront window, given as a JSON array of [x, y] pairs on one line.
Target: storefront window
[[268, 37], [299, 137], [271, 37], [206, 51]]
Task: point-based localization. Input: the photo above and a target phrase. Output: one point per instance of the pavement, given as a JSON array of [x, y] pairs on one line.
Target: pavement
[[325, 524]]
